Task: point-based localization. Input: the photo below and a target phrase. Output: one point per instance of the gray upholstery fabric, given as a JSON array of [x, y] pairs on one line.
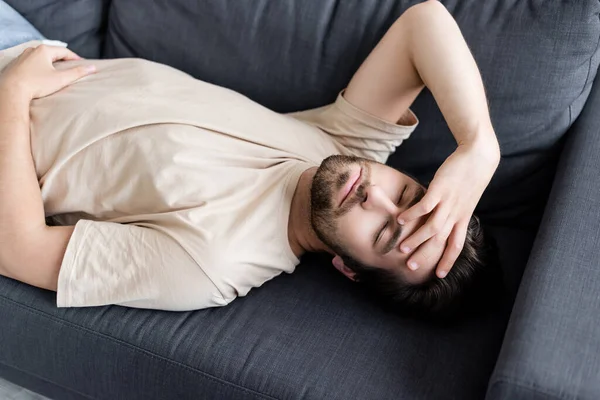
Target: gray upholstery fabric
[[312, 334], [80, 23], [552, 346]]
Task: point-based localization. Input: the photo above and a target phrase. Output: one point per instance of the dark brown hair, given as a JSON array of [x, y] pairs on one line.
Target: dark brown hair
[[474, 283]]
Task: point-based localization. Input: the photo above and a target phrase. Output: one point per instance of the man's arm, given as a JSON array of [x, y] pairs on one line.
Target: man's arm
[[424, 47], [30, 251]]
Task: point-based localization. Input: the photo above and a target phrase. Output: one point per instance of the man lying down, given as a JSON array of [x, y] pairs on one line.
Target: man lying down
[[170, 193]]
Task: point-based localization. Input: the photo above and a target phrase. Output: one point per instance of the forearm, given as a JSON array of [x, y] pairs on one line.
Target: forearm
[[425, 47], [446, 66], [21, 206]]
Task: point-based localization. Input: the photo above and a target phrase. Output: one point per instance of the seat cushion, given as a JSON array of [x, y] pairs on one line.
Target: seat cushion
[[308, 335], [80, 23], [537, 59]]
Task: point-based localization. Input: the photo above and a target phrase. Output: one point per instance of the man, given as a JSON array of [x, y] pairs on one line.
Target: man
[[167, 192]]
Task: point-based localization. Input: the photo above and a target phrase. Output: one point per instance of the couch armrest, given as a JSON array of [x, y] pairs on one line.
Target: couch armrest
[[551, 349]]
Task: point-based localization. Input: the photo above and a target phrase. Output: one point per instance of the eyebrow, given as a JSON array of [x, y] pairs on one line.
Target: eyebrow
[[393, 240]]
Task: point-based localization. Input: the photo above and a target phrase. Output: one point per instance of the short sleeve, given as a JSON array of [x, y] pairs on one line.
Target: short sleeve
[[360, 133], [134, 266]]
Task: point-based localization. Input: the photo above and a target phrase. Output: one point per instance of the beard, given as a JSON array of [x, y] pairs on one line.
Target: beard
[[331, 176]]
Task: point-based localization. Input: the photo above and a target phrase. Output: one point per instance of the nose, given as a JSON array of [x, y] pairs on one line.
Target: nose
[[376, 199]]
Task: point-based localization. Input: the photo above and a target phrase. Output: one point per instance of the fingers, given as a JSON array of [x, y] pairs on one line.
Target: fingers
[[425, 206], [59, 53], [453, 249], [73, 74], [432, 227], [431, 251], [63, 54], [54, 53]]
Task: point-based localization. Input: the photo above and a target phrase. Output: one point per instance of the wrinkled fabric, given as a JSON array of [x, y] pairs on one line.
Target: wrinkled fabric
[[180, 191]]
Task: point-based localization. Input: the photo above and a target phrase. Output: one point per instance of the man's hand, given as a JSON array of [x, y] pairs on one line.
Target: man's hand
[[425, 47], [451, 199], [33, 74]]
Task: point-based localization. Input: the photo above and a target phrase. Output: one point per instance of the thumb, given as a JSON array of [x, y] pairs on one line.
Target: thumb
[[71, 75]]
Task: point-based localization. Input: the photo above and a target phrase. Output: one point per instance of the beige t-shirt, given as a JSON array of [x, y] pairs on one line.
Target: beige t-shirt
[[179, 190]]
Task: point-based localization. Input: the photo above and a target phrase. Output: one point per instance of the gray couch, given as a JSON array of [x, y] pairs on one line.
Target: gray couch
[[313, 334]]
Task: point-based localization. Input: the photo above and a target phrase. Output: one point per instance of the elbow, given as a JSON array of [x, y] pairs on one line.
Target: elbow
[[13, 250], [34, 258]]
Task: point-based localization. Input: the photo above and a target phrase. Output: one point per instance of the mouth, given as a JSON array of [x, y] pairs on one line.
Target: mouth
[[350, 187]]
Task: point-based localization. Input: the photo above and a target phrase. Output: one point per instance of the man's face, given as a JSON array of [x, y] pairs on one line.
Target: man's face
[[355, 205]]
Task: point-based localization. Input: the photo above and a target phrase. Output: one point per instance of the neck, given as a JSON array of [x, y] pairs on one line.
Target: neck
[[301, 234]]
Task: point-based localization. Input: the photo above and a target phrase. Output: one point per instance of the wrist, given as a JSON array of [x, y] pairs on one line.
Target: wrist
[[14, 105], [14, 92], [486, 148]]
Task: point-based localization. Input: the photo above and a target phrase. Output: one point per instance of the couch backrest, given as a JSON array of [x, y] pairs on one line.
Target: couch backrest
[[538, 60]]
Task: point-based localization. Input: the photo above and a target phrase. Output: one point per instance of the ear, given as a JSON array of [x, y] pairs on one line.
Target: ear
[[338, 263]]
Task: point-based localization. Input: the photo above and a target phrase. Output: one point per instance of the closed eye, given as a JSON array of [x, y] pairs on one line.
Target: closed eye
[[385, 225]]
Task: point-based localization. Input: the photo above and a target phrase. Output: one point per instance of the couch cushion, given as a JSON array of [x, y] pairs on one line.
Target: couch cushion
[[80, 23], [308, 335], [537, 60]]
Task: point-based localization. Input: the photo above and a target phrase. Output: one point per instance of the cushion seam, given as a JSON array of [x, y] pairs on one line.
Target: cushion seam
[[139, 349], [527, 386]]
